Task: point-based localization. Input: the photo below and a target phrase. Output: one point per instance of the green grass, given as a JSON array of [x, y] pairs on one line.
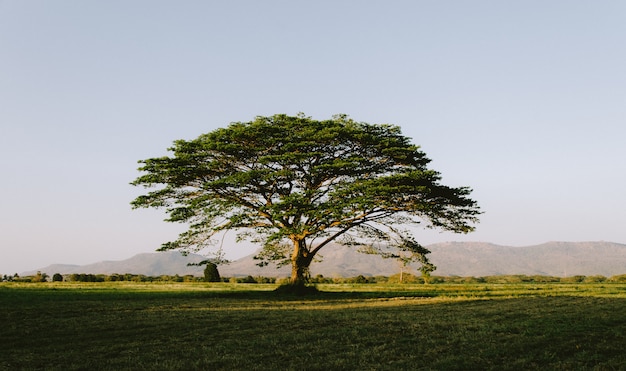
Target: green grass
[[150, 326]]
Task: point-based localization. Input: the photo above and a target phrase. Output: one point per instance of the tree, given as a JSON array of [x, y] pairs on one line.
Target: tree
[[295, 185], [211, 274], [57, 277], [39, 277]]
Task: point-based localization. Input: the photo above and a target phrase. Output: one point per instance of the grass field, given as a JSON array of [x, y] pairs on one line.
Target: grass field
[[224, 326]]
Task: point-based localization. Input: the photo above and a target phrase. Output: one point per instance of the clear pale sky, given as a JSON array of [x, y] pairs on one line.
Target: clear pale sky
[[523, 101]]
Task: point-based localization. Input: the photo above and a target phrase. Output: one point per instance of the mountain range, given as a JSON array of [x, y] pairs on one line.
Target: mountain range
[[465, 259]]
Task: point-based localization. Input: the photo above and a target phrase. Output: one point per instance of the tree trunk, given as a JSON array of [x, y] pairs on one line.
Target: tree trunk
[[300, 261]]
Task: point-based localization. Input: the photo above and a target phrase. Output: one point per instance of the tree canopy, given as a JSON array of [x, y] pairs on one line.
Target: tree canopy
[[295, 184]]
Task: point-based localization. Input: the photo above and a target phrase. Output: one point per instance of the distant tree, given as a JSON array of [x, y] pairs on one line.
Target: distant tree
[[138, 278], [295, 185], [189, 278], [577, 278], [39, 277], [360, 279], [211, 274], [618, 278], [57, 277], [597, 278], [248, 279]]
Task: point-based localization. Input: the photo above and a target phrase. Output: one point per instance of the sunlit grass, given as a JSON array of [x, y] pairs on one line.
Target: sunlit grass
[[225, 326]]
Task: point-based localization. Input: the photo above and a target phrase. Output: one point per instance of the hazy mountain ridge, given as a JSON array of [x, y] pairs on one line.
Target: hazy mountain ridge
[[451, 258], [551, 258], [149, 264]]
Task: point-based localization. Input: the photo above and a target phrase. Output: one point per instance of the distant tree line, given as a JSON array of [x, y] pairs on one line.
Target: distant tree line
[[213, 276], [426, 279]]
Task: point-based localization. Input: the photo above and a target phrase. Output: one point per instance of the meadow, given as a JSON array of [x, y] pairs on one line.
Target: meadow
[[232, 326]]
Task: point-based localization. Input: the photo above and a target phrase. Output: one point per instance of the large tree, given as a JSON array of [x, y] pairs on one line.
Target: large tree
[[295, 185]]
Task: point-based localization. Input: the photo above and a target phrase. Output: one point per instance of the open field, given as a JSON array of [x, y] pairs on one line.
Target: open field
[[224, 326]]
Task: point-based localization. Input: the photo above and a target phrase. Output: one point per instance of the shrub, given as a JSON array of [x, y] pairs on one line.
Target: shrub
[[248, 279], [503, 279], [597, 278], [621, 278], [39, 277], [359, 279], [321, 279], [261, 279], [406, 278], [573, 279], [544, 279], [456, 279], [211, 274]]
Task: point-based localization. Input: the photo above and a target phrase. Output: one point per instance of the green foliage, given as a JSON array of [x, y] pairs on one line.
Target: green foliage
[[596, 278], [39, 277], [618, 278], [57, 277], [360, 279], [248, 279], [295, 184], [85, 277], [405, 278], [211, 274], [573, 279]]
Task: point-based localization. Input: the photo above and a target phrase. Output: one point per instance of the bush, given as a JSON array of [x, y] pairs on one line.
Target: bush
[[248, 279], [321, 279], [503, 279], [359, 279], [621, 278], [211, 274], [261, 279], [591, 279], [545, 279], [39, 277], [406, 278], [113, 277], [381, 279], [573, 279], [456, 279]]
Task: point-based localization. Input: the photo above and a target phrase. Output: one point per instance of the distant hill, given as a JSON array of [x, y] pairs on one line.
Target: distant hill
[[451, 258], [149, 264], [558, 259], [467, 259]]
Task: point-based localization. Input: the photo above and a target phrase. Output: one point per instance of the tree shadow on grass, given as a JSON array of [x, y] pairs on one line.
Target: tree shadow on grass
[[314, 294]]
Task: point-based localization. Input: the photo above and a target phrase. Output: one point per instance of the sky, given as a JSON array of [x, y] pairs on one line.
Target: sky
[[524, 102]]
